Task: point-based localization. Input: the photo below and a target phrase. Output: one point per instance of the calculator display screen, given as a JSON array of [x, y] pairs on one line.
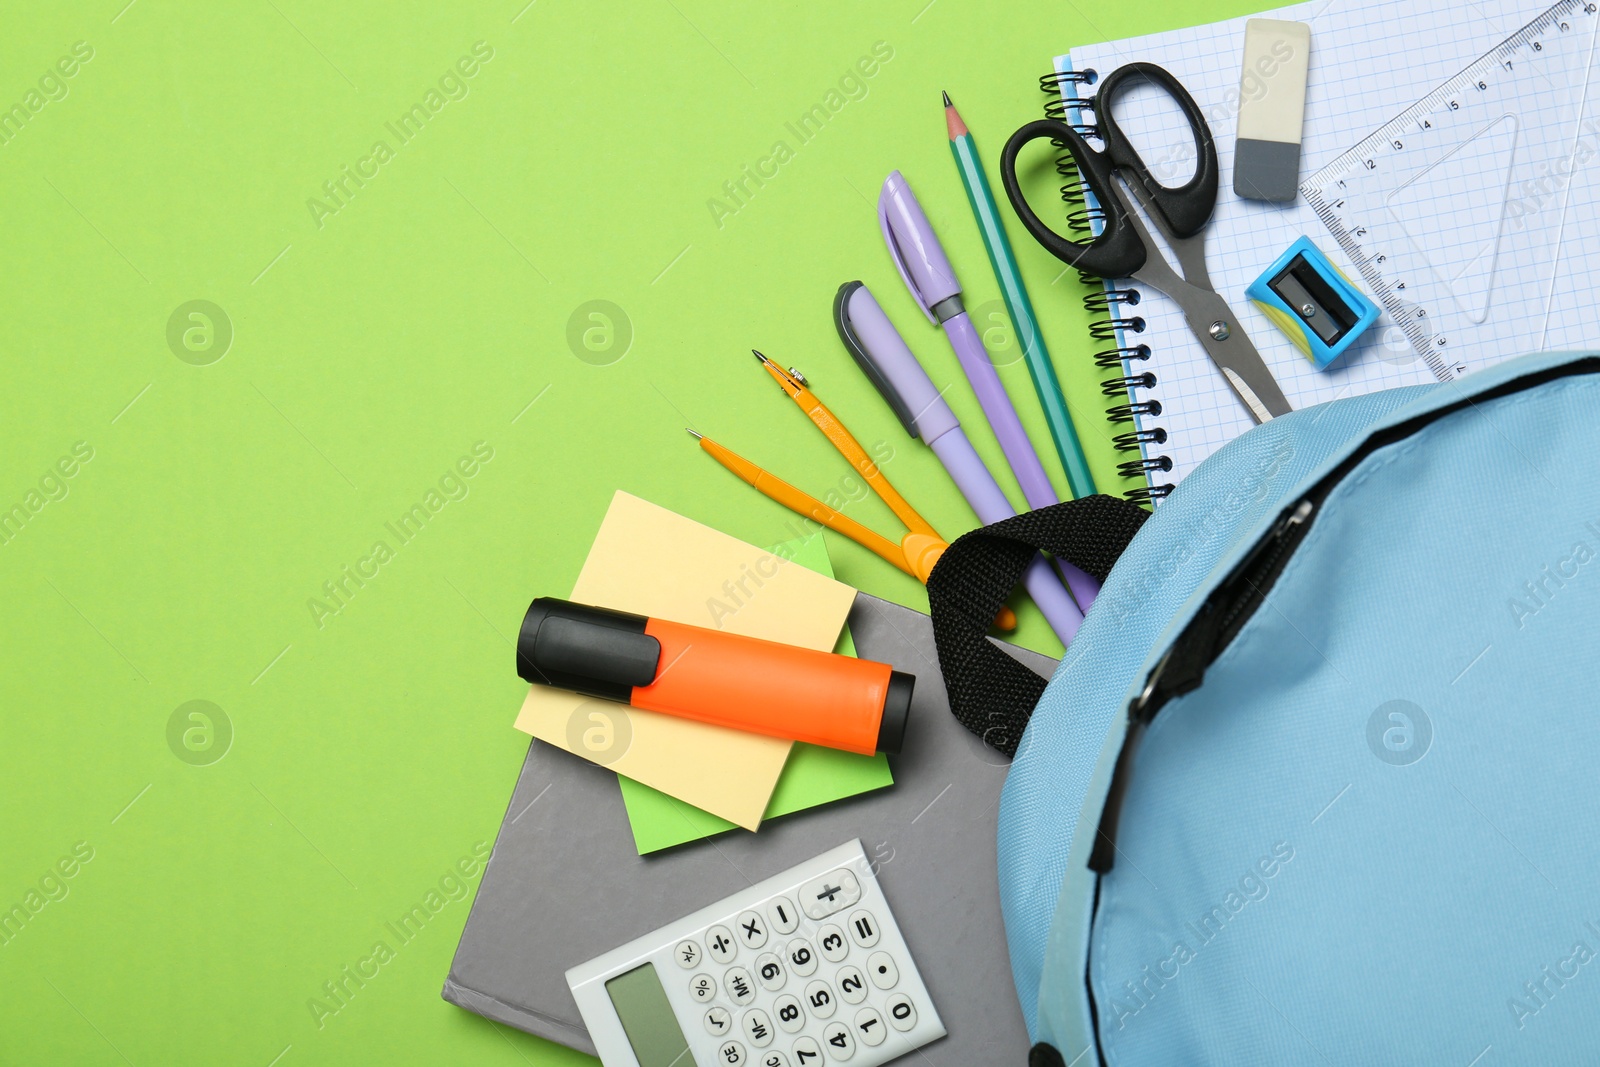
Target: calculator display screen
[[647, 1018]]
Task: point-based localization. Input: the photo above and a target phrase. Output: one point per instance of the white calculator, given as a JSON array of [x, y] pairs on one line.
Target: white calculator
[[805, 969]]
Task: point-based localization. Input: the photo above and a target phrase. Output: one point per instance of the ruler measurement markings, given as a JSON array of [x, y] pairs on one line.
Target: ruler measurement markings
[[1506, 63]]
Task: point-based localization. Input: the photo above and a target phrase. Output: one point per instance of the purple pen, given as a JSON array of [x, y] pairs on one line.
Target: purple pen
[[927, 273], [882, 354]]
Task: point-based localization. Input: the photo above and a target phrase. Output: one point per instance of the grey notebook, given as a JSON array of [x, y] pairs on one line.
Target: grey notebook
[[565, 883]]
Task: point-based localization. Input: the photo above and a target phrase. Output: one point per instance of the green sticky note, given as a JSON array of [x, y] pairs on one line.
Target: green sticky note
[[812, 776]]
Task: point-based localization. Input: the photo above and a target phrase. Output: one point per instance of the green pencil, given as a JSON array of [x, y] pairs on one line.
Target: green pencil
[[1016, 297]]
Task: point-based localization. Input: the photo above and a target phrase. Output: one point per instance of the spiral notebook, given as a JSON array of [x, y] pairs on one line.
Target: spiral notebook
[[1370, 60]]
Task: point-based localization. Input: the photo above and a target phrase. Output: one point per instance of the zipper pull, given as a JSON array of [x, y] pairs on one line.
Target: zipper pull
[[1140, 710]]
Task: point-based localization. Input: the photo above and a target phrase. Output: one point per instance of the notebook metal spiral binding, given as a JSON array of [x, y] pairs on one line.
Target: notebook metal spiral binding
[[1102, 299], [1136, 467], [1112, 358], [1107, 329], [1083, 218], [1127, 412], [1130, 442], [1118, 387]]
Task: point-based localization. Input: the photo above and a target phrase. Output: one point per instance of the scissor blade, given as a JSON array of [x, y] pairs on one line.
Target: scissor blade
[[1231, 350]]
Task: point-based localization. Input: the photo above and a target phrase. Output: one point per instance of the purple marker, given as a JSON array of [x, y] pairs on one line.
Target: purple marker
[[881, 352], [922, 263]]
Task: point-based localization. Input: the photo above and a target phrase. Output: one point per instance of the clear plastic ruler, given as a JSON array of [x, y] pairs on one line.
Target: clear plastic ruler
[[1474, 215]]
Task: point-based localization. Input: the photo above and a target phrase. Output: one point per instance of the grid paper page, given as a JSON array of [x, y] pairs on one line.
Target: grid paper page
[[1370, 60]]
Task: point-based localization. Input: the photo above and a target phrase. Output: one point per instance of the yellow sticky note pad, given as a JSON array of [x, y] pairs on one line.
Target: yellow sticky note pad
[[651, 561]]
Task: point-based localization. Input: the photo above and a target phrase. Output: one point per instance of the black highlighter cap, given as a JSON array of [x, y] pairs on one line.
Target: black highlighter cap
[[896, 710], [595, 651]]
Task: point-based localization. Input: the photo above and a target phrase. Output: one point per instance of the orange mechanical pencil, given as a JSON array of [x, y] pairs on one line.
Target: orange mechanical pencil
[[917, 551]]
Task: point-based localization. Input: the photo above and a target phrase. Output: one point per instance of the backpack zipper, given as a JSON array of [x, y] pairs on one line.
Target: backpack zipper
[[1183, 667], [1235, 600]]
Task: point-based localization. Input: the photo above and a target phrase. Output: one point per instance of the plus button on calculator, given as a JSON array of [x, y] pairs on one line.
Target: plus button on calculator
[[804, 969]]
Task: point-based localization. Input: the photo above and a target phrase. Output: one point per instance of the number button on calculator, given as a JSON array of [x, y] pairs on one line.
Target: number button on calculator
[[830, 939], [769, 971], [841, 1046], [902, 1013], [870, 1028], [807, 1052], [802, 957], [791, 1016], [819, 999], [852, 987]]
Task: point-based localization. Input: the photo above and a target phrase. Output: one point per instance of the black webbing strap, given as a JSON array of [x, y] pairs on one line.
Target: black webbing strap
[[992, 694]]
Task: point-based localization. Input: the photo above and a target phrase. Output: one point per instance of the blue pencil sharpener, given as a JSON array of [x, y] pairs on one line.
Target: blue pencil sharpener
[[1311, 301]]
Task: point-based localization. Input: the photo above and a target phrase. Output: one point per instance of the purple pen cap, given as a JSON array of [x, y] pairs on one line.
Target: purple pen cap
[[915, 250], [882, 355]]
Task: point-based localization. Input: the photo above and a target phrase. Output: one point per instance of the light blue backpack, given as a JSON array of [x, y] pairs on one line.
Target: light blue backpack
[[1318, 781]]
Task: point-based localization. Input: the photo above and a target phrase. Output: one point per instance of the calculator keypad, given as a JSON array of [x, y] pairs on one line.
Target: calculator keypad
[[812, 973], [823, 1017]]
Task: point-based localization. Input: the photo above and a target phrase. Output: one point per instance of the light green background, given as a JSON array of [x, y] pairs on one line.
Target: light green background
[[372, 754]]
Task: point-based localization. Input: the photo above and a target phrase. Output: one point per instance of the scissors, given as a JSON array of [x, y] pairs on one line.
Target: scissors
[[1125, 249]]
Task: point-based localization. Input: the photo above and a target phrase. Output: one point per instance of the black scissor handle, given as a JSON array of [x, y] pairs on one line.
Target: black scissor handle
[[1118, 251], [1187, 208]]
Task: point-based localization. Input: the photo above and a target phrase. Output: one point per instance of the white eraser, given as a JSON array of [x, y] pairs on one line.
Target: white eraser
[[1272, 104]]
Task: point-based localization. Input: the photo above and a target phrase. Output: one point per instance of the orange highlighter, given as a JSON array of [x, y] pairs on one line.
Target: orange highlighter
[[764, 687]]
